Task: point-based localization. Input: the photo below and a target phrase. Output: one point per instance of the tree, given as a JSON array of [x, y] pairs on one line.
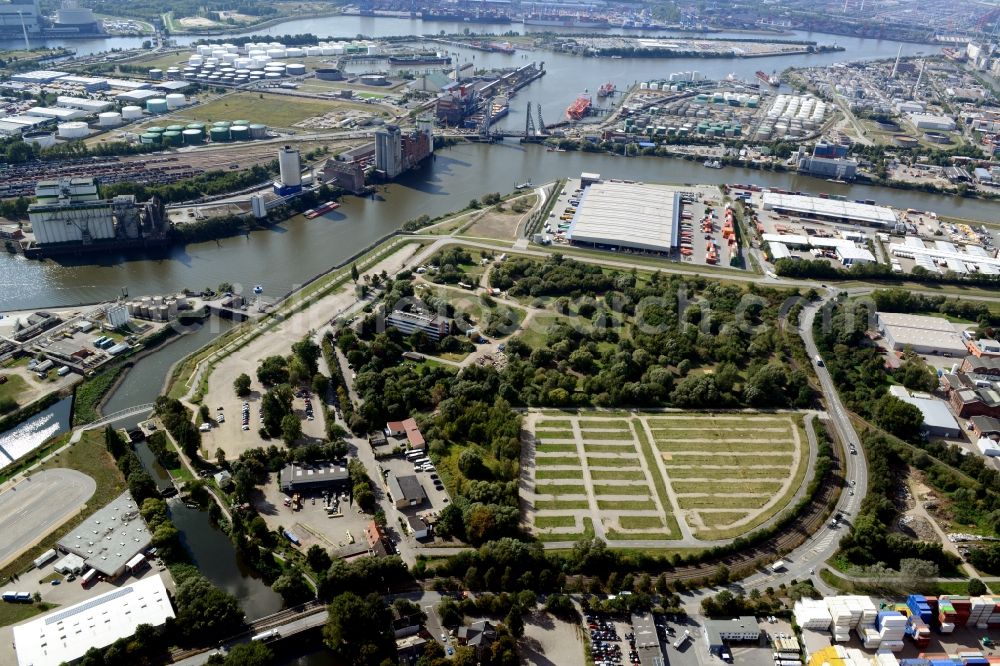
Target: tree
[[204, 612], [273, 370], [514, 622], [354, 273], [359, 630], [318, 558], [253, 653], [293, 588], [976, 587], [142, 486], [242, 385], [898, 417], [291, 429], [308, 352], [918, 574], [220, 457]]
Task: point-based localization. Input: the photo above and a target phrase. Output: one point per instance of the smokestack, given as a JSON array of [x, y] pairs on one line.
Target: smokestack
[[896, 64]]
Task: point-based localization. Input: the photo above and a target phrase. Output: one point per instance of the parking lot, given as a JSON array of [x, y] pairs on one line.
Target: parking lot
[[430, 480], [241, 419]]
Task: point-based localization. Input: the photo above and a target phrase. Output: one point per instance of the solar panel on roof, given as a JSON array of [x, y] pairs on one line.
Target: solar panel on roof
[[93, 603]]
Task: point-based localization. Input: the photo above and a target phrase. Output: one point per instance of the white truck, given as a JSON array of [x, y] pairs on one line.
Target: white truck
[[778, 566]]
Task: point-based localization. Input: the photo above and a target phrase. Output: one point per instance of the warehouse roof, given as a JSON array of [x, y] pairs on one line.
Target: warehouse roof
[[830, 208], [779, 251], [406, 488], [644, 217], [294, 474], [936, 412], [922, 322], [110, 537], [853, 253], [66, 634]]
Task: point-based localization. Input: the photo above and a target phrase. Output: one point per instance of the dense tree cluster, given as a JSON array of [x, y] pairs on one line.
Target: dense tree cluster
[[359, 629], [204, 612], [177, 420]]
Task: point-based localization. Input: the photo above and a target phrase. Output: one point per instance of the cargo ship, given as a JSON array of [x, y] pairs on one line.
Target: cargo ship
[[769, 80], [713, 164], [606, 90], [461, 17], [578, 109], [313, 213], [501, 107], [428, 59], [564, 21]]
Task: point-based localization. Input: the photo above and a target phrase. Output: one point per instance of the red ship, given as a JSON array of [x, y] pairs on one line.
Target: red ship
[[607, 89], [769, 80], [325, 208], [578, 109]]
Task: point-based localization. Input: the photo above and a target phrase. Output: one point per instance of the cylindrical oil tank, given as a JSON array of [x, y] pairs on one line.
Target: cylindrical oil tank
[[156, 105], [155, 129], [176, 100], [221, 123], [373, 79], [149, 137], [240, 122], [155, 74], [174, 128], [273, 76], [295, 69], [219, 134], [274, 69], [173, 72], [73, 130], [294, 52], [131, 112], [258, 131], [259, 73], [276, 53], [329, 74], [239, 133], [41, 138], [109, 119], [171, 138], [192, 136], [289, 166], [196, 126]]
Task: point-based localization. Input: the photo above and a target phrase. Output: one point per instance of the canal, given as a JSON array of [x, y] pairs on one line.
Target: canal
[[294, 251], [209, 547]]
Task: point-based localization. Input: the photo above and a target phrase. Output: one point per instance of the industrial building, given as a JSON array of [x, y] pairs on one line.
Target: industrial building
[[19, 17], [832, 210], [289, 172], [973, 258], [632, 216], [932, 122], [406, 428], [848, 255], [406, 491], [66, 634], [69, 212], [396, 152], [985, 348], [647, 642], [433, 326], [316, 477], [839, 168], [109, 538], [82, 103], [986, 426], [982, 365], [938, 419], [735, 630], [921, 334], [973, 395]]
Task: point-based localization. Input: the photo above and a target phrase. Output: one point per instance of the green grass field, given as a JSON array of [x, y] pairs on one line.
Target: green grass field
[[610, 424], [617, 475], [554, 434], [640, 522], [561, 505], [550, 461], [605, 461], [547, 447], [599, 435], [737, 473], [720, 502], [558, 474], [626, 505], [272, 110], [623, 489], [13, 388], [731, 486], [555, 521], [560, 489], [720, 518]]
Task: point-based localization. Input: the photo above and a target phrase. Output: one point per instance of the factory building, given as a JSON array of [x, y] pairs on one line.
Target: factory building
[[737, 629], [838, 168], [389, 151], [921, 334], [931, 122], [405, 491], [982, 365], [18, 17], [973, 395], [110, 538], [830, 210], [628, 216], [407, 323], [938, 419], [347, 170], [316, 477], [82, 103], [289, 172], [66, 634]]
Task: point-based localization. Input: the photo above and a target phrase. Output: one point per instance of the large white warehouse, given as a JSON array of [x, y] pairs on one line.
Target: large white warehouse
[[922, 334], [627, 215], [69, 211]]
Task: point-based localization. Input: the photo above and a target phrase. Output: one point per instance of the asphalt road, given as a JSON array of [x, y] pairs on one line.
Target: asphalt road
[[39, 504]]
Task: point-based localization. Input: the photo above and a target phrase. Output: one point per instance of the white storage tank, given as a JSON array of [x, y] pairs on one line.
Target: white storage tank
[[156, 105], [289, 167], [156, 74], [41, 138], [131, 112], [109, 119], [276, 53], [273, 75], [204, 49], [295, 69], [294, 52], [175, 100], [73, 130]]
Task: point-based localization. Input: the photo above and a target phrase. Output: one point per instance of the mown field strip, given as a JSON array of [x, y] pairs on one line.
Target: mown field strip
[[728, 472], [607, 461], [545, 461], [560, 489], [617, 475], [559, 474], [640, 522], [615, 424], [623, 489], [723, 435], [561, 505], [548, 447], [547, 424], [555, 521], [722, 501], [623, 447], [615, 535], [599, 435], [625, 505], [554, 434], [726, 489], [684, 459], [720, 518], [726, 447]]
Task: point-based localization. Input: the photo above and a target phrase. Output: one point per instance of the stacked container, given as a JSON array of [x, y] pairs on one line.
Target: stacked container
[[984, 612], [812, 614], [891, 627]]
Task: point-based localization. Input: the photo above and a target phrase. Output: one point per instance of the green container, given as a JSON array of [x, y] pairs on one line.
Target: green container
[[150, 137], [175, 128], [219, 134], [197, 126], [193, 136], [241, 122], [172, 138], [222, 123], [154, 130], [239, 133]]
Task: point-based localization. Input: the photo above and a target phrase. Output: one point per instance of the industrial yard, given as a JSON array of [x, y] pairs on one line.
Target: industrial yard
[[671, 477], [705, 48]]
